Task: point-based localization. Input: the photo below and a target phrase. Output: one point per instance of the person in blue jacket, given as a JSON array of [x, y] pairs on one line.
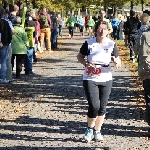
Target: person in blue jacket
[[115, 23]]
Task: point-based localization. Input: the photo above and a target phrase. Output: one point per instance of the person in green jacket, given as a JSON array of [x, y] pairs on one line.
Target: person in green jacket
[[19, 45], [70, 22]]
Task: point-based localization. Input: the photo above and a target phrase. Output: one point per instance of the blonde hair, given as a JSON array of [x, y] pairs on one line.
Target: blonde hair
[[144, 18]]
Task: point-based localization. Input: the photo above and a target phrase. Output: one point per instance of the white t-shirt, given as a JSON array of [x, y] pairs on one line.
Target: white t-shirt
[[100, 55]]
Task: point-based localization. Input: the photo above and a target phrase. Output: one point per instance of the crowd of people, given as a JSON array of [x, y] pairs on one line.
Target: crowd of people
[[21, 35], [121, 27]]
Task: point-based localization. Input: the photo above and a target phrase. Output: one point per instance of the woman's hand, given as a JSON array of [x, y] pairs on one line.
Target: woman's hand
[[117, 61], [91, 66]]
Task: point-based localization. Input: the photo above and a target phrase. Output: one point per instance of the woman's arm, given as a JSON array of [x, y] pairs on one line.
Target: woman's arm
[[81, 59], [83, 52]]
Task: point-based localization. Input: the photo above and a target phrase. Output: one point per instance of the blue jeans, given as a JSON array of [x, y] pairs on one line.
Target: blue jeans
[[28, 60], [55, 41], [54, 38], [3, 68], [146, 86], [114, 33]]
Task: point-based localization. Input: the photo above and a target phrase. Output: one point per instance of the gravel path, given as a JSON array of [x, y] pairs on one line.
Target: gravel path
[[48, 110]]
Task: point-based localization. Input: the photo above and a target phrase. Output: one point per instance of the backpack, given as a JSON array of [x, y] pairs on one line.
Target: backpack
[[144, 55], [115, 23], [11, 18], [43, 21]]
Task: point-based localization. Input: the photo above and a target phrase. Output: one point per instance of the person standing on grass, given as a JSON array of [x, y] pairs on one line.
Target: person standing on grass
[[97, 77]]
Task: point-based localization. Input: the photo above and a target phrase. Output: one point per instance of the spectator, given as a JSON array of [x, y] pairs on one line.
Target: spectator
[[9, 52], [142, 49], [13, 14], [115, 23], [45, 24], [145, 25], [55, 31], [120, 28], [60, 22], [5, 40], [30, 27], [132, 26], [19, 45], [54, 36], [38, 28]]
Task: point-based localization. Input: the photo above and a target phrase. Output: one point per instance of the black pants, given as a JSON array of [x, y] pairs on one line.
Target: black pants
[[146, 86], [19, 61], [97, 94], [132, 42], [71, 31], [81, 28], [114, 33]]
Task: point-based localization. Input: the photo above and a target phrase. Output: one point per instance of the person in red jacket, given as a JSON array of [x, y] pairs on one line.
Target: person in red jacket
[[86, 22]]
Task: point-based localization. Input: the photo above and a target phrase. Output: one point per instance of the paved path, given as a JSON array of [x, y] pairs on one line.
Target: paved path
[[48, 110]]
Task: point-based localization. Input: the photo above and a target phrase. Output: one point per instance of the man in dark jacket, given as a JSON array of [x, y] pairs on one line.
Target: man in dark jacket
[[132, 25]]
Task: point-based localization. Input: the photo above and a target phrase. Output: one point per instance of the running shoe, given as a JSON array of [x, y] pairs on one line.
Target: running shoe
[[88, 135], [98, 136]]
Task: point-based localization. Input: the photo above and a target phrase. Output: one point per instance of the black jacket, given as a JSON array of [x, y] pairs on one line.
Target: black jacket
[[6, 34], [132, 25]]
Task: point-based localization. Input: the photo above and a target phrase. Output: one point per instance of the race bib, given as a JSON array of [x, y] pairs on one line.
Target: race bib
[[96, 72]]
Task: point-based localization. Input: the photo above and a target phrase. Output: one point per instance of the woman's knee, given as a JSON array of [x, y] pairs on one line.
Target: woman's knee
[[93, 111]]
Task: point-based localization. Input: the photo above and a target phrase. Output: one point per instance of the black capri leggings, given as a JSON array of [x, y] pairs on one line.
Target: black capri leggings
[[97, 94], [81, 28]]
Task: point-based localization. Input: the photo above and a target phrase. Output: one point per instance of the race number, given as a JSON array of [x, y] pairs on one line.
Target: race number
[[96, 72]]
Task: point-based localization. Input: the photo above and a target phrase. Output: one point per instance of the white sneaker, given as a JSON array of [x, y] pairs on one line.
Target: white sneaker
[[98, 136], [88, 135]]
